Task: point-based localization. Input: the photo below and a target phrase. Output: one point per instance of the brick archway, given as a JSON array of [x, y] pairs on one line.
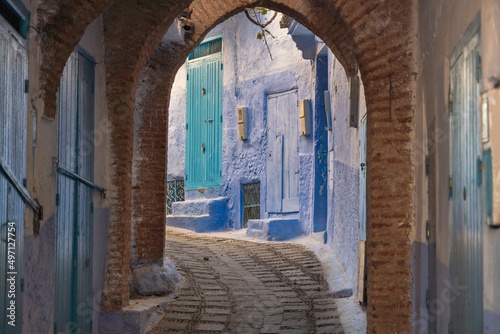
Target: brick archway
[[390, 103], [59, 27], [379, 35]]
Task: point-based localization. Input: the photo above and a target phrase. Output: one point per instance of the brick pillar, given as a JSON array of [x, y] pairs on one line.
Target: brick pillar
[[116, 293], [150, 154], [149, 176]]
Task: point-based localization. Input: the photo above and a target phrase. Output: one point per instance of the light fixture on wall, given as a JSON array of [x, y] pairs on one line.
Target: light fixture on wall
[[242, 123]]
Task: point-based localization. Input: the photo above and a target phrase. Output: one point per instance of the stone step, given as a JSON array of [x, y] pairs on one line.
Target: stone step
[[215, 207], [274, 229], [199, 224]]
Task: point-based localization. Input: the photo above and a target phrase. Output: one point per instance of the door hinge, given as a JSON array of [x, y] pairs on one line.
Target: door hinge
[[91, 207], [93, 88], [427, 298], [22, 284], [450, 101], [25, 182], [426, 165], [187, 77], [26, 86], [186, 177], [479, 171], [58, 197], [220, 172], [221, 118], [222, 66], [450, 187], [478, 67], [427, 230], [187, 126]]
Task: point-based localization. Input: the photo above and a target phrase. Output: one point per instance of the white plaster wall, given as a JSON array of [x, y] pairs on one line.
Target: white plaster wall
[[343, 212]]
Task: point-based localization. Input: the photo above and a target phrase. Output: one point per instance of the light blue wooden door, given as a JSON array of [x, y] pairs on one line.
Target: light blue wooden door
[[204, 117], [13, 124], [362, 179], [465, 190], [283, 152], [74, 212]]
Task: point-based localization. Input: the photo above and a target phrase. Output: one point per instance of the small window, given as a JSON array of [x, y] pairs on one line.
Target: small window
[[206, 49], [14, 12], [251, 202], [175, 193]]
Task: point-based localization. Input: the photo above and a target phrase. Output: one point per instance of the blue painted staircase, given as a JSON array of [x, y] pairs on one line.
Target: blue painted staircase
[[201, 215]]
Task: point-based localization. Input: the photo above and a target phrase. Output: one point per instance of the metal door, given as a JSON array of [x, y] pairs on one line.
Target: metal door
[[362, 179], [74, 212], [465, 190], [13, 120], [204, 117], [283, 152]]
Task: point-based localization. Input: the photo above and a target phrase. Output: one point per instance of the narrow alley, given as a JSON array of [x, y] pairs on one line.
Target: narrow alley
[[237, 286], [249, 166]]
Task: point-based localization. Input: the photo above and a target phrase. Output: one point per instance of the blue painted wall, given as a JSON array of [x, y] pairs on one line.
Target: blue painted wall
[[343, 198], [249, 77]]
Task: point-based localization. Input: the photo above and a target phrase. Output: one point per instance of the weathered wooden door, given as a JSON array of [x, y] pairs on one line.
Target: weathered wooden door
[[283, 152], [13, 124], [362, 179], [74, 212], [466, 261], [204, 117]]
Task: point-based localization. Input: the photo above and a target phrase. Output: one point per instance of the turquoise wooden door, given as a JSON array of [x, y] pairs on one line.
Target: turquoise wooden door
[[466, 261], [13, 125], [362, 179], [204, 117], [283, 152], [74, 213]]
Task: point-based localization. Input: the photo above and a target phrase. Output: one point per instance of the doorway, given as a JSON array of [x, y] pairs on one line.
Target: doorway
[[283, 152]]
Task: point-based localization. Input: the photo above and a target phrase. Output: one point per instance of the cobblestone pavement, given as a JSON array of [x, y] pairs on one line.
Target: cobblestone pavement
[[235, 286]]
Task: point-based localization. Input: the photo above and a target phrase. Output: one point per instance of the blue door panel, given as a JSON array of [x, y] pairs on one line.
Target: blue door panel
[[13, 120], [466, 193], [204, 122], [74, 216], [283, 158]]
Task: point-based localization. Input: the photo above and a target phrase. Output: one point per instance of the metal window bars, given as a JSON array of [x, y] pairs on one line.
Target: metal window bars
[[175, 193], [251, 202]]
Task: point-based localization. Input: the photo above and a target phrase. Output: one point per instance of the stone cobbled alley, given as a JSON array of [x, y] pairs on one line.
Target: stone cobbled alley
[[236, 286]]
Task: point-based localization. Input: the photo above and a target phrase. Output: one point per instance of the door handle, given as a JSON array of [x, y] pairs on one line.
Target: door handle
[[203, 148], [363, 167]]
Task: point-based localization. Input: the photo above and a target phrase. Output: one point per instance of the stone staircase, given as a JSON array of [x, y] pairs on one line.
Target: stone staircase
[[201, 215], [274, 229]]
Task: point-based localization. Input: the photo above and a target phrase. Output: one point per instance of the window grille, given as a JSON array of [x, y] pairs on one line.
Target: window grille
[[206, 49], [175, 193], [251, 202], [16, 14]]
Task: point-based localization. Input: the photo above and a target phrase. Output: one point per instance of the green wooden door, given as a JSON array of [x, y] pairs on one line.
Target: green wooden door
[[204, 117]]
